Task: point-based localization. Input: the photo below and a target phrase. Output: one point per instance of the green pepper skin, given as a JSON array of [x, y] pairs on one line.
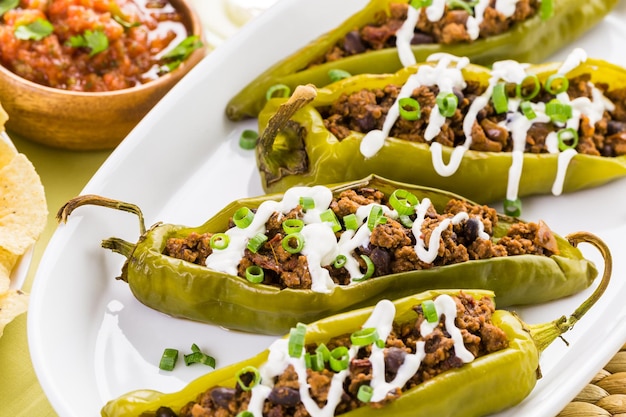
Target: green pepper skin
[[502, 378], [530, 41], [319, 158], [192, 291]]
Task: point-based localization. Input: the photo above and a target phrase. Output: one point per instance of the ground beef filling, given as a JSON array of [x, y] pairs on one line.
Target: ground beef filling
[[480, 337], [450, 29], [391, 245], [365, 110]]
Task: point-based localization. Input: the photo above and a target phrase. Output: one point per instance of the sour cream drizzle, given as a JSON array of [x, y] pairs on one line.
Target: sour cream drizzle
[[321, 246], [382, 320], [447, 76]]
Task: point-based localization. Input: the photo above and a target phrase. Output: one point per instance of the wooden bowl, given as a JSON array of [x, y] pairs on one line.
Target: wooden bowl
[[88, 120]]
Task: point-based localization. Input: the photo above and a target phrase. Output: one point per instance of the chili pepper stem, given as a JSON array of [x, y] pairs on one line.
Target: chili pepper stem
[[302, 95], [96, 200], [545, 333]]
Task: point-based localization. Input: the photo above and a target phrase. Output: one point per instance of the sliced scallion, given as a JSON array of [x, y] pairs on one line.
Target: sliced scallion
[[328, 216], [256, 377], [255, 274], [245, 413], [351, 222], [375, 217], [278, 90], [365, 393], [197, 356], [296, 340], [567, 135], [403, 202], [290, 239], [500, 99], [520, 89], [293, 225], [219, 241], [369, 269], [409, 108], [336, 74], [256, 242], [430, 311], [557, 111], [339, 359], [340, 261], [546, 9], [248, 139], [307, 203], [513, 207], [364, 337], [556, 84], [168, 359], [243, 217], [527, 110], [447, 104]]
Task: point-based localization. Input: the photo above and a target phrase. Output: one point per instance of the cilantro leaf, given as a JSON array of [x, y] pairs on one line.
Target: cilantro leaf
[[36, 30], [96, 41], [173, 58], [6, 5]]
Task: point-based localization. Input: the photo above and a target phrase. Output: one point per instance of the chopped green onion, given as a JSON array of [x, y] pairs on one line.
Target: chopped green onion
[[430, 311], [256, 242], [376, 217], [369, 271], [248, 139], [255, 274], [460, 5], [418, 4], [406, 220], [557, 111], [447, 104], [243, 217], [409, 108], [307, 361], [245, 413], [569, 134], [35, 31], [317, 361], [500, 99], [338, 74], [365, 393], [278, 90], [403, 202], [325, 352], [339, 359], [527, 110], [364, 337], [219, 241], [351, 222], [307, 203], [296, 340], [255, 380], [513, 207], [293, 237], [197, 356], [328, 216], [519, 88], [561, 81], [546, 9], [293, 225], [340, 261], [168, 359]]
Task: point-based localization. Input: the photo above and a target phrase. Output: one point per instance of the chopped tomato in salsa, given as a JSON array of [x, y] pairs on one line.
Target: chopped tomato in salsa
[[92, 45]]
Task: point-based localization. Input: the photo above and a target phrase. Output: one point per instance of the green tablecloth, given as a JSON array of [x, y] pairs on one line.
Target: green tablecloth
[[63, 174]]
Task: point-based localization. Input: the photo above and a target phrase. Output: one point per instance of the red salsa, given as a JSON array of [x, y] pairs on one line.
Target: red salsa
[[89, 45]]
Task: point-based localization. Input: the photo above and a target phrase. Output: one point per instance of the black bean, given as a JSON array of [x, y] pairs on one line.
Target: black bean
[[222, 396], [284, 396], [352, 43], [394, 358], [471, 229], [165, 412]]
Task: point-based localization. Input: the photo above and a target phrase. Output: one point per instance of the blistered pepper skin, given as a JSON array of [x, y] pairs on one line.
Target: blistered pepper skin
[[503, 378], [319, 158], [533, 40], [192, 291]]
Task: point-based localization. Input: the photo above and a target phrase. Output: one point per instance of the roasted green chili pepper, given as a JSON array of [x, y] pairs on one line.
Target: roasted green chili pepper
[[490, 383], [185, 289], [532, 40], [296, 147]]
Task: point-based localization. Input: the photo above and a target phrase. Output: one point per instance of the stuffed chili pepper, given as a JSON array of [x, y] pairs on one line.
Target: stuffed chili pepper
[[487, 134], [389, 34], [316, 251], [440, 353]]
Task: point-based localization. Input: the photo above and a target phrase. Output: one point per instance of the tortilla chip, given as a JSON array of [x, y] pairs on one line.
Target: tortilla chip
[[8, 261], [7, 149], [12, 304], [23, 209]]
